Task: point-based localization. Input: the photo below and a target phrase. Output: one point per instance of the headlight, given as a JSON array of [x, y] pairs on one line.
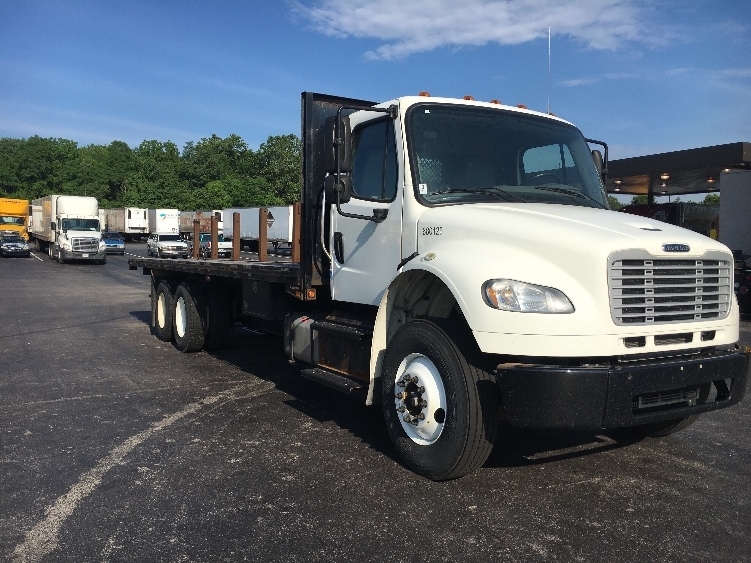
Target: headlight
[[102, 245], [511, 295]]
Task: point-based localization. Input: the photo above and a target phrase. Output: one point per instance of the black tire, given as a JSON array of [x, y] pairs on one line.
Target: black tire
[[162, 309], [458, 431], [189, 318], [664, 427], [219, 321]]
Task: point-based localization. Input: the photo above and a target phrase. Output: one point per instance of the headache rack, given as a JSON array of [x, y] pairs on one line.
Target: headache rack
[[648, 290]]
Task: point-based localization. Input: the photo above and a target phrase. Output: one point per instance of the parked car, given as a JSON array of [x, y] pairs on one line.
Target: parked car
[[14, 245], [114, 242], [224, 247], [166, 245]]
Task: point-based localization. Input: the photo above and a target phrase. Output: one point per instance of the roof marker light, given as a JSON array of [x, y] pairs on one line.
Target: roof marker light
[[470, 98], [425, 94], [521, 106], [495, 102]]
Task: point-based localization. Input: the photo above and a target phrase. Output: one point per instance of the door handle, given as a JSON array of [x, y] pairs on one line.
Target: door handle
[[339, 247]]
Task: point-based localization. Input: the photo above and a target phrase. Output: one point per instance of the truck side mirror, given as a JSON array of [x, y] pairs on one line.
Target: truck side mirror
[[342, 187], [53, 226], [597, 157], [341, 144]]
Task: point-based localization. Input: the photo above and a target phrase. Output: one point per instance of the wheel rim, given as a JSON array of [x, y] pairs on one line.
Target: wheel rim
[[161, 308], [420, 399], [181, 318]]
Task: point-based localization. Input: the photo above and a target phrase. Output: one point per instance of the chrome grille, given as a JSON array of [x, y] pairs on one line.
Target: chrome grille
[[650, 290], [81, 244]]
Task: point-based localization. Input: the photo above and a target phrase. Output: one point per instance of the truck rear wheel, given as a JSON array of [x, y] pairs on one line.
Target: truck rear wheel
[[189, 319], [162, 306], [440, 407]]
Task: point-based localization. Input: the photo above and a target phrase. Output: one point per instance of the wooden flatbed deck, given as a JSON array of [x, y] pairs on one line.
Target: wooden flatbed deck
[[281, 269]]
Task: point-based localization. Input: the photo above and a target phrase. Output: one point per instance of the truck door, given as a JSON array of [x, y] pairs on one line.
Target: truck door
[[365, 254]]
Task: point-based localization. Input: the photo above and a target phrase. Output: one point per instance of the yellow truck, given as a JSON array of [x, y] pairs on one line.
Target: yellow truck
[[14, 217]]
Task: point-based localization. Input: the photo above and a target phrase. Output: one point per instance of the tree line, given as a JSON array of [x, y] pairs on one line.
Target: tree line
[[213, 173]]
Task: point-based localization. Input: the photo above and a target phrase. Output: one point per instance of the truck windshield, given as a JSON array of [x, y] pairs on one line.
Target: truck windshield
[[464, 154], [8, 220], [80, 224]]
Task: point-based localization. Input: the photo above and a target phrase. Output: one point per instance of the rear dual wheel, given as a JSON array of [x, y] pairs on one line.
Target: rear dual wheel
[[162, 308], [190, 318]]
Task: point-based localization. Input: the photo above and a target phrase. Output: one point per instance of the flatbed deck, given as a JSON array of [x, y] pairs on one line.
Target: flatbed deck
[[281, 269]]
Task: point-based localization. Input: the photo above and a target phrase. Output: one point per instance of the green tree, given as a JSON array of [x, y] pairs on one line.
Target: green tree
[[278, 161], [613, 202], [639, 200], [711, 199]]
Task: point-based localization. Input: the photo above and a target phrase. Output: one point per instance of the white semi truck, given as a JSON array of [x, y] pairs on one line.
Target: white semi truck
[[67, 228], [456, 262]]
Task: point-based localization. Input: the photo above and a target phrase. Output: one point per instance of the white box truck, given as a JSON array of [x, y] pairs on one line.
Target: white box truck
[[204, 222], [279, 225], [67, 228], [130, 222], [457, 263], [164, 221]]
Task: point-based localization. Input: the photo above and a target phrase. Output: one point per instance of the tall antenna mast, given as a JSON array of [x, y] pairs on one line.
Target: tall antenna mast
[[548, 69]]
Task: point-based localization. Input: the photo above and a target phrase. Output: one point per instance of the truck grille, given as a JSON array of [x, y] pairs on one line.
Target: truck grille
[[649, 290], [81, 244]]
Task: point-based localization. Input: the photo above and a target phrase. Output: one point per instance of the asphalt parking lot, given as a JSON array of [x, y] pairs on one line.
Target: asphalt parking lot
[[114, 446]]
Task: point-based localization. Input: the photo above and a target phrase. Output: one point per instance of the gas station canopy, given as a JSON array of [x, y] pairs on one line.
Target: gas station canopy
[[691, 171]]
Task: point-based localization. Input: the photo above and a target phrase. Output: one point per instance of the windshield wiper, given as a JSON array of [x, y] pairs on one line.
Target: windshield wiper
[[572, 193], [483, 190]]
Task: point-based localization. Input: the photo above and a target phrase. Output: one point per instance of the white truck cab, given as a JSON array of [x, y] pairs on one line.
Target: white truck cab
[[489, 225]]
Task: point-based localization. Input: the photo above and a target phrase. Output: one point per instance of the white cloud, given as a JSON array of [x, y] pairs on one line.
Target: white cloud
[[414, 26]]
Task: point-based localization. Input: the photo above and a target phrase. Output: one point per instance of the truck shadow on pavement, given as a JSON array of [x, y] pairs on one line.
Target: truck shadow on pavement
[[262, 355]]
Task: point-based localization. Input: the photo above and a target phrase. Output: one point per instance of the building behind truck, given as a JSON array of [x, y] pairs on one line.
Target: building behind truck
[[67, 228], [700, 218], [130, 222], [456, 262], [163, 221], [14, 217]]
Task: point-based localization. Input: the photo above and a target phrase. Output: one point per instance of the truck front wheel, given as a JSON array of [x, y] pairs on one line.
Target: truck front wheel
[[439, 405], [189, 320], [162, 305]]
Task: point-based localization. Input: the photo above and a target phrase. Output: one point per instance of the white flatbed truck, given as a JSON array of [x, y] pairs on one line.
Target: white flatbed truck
[[455, 261]]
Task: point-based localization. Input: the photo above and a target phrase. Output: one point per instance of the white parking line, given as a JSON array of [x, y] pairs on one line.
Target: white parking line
[[42, 539], [37, 257]]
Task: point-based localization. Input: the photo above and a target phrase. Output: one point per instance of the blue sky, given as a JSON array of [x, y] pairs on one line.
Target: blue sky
[[645, 76]]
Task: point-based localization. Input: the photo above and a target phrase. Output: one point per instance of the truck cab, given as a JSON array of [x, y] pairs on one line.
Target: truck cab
[[479, 235]]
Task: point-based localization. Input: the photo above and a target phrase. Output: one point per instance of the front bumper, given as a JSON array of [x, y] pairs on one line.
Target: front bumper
[[75, 255], [625, 394], [171, 253]]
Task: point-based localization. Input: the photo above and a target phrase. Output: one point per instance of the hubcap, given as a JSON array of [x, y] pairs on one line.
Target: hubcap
[[160, 310], [180, 318], [420, 399]]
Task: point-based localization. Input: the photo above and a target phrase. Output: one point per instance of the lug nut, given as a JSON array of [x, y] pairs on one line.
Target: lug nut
[[401, 409], [408, 418], [400, 395], [423, 403], [421, 416]]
